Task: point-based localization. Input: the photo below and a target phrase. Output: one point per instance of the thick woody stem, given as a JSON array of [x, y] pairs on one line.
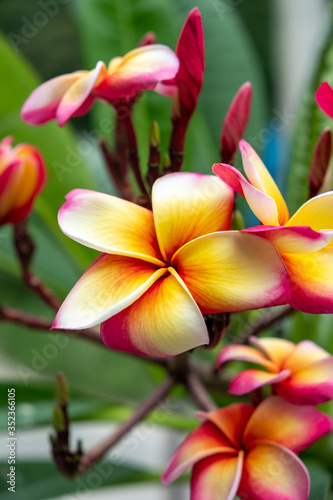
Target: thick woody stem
[[25, 249], [153, 400], [199, 393], [266, 320], [177, 143], [124, 115], [119, 179], [38, 323]]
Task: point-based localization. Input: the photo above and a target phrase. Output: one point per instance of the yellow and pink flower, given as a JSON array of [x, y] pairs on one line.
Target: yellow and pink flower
[[302, 374], [73, 94], [303, 240], [161, 271], [250, 452], [22, 177]]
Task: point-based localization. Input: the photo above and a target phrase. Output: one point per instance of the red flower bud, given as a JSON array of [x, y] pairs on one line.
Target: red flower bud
[[235, 123], [320, 162]]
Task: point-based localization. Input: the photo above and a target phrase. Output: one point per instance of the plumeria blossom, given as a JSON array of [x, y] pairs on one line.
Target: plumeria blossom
[[324, 98], [302, 374], [73, 94], [22, 177], [250, 452], [303, 240], [161, 270]]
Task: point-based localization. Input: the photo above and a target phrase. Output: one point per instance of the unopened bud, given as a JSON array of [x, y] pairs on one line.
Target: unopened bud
[[148, 39], [167, 164], [59, 419], [61, 390], [154, 135], [237, 221], [327, 184], [320, 162], [235, 123]]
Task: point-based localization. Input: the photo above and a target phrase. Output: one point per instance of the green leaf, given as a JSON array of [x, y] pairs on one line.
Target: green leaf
[[321, 481], [311, 122], [38, 480]]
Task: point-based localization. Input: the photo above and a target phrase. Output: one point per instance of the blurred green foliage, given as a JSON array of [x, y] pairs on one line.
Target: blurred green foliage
[[106, 384]]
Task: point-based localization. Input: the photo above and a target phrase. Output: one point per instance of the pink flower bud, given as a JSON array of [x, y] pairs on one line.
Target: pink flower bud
[[235, 123]]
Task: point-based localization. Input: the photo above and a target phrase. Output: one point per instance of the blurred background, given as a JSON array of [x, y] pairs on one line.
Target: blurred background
[[285, 50]]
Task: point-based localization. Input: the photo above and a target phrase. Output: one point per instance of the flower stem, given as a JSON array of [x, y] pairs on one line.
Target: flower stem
[[25, 248], [177, 143], [199, 393], [153, 400], [124, 115], [266, 320], [39, 323], [119, 178]]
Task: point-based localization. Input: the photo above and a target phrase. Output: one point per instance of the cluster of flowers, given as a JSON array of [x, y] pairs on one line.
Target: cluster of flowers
[[160, 271], [251, 451]]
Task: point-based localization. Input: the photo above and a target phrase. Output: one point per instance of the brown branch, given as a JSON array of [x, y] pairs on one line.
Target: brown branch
[[124, 115], [199, 393], [177, 143], [266, 320], [152, 401], [120, 179], [25, 249], [39, 323]]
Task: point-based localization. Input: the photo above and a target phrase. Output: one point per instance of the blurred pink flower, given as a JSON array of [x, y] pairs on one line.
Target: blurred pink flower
[[302, 374], [74, 94], [22, 177], [250, 452]]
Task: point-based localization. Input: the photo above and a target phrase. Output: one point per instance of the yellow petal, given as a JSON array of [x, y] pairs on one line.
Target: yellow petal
[[316, 213], [140, 69], [260, 178], [79, 92], [295, 427], [262, 205], [273, 472], [110, 285], [110, 225], [204, 441], [217, 478], [277, 350], [311, 276], [304, 354], [165, 321], [188, 205], [231, 271]]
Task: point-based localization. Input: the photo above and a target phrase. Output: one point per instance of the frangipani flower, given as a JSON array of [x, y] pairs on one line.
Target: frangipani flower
[[161, 270], [73, 94], [302, 374], [250, 452], [22, 177], [324, 98], [303, 241]]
